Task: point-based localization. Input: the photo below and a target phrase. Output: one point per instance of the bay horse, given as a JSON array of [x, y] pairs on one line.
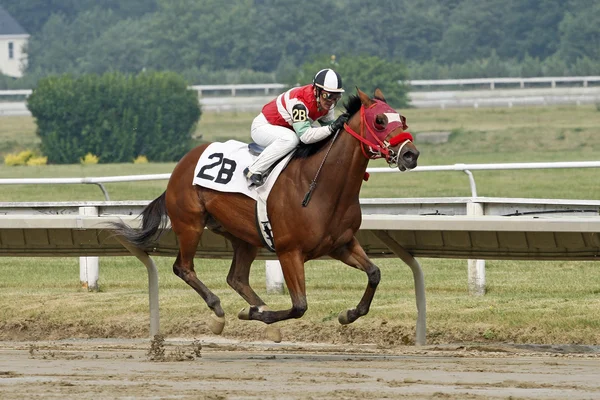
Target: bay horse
[[326, 226]]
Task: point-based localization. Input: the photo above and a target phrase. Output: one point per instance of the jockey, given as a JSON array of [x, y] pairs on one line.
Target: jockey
[[288, 120]]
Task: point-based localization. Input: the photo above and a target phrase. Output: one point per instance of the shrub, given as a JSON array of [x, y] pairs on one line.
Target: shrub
[[18, 159], [37, 161], [89, 159], [141, 160], [114, 116]]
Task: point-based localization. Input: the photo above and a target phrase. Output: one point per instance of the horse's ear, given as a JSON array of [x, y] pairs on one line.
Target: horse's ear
[[364, 98], [379, 95]]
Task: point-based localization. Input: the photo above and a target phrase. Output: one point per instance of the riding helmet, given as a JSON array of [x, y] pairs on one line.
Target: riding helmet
[[328, 80]]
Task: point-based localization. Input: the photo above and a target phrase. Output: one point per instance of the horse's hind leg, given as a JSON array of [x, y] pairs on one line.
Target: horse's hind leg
[[353, 255], [239, 272], [189, 236]]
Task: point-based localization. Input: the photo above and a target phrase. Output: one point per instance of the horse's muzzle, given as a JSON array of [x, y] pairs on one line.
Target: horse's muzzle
[[408, 158]]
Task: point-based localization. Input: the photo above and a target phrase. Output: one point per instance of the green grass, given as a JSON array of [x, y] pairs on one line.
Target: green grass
[[484, 135], [578, 183], [17, 134], [527, 302]]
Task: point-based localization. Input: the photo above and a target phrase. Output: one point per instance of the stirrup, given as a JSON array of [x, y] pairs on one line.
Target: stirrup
[[255, 179]]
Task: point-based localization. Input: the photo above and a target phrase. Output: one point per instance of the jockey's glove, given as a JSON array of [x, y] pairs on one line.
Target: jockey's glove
[[313, 135], [338, 123]]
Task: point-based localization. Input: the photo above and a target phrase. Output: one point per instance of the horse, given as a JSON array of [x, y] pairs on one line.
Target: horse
[[308, 221]]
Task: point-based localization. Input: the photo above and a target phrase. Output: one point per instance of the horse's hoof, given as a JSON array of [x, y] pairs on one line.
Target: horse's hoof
[[273, 333], [343, 318], [216, 324], [244, 314]]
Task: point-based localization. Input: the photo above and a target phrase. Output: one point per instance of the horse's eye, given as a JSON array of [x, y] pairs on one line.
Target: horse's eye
[[380, 122]]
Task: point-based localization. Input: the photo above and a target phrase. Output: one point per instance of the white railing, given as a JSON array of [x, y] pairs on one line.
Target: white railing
[[269, 88], [92, 181], [492, 82], [233, 89], [22, 92], [466, 168]]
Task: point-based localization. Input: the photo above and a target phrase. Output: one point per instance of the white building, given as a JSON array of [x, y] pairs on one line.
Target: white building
[[13, 39]]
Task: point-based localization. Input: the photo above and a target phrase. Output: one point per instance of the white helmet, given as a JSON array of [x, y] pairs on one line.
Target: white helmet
[[328, 80]]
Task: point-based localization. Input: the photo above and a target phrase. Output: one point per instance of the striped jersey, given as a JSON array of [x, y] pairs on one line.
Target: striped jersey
[[283, 110]]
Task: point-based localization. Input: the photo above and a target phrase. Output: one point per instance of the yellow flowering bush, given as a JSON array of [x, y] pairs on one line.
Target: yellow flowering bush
[[89, 159], [18, 159], [141, 160], [37, 160]]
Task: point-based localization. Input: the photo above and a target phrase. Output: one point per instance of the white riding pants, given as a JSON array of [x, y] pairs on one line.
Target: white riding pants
[[277, 140]]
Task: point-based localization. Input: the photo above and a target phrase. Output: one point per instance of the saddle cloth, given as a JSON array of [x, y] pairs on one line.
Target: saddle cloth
[[221, 167]]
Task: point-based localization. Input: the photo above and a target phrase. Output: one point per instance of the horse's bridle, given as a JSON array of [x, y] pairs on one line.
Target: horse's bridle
[[382, 148]]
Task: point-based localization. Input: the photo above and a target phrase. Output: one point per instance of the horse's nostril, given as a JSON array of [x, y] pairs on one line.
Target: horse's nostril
[[409, 159], [410, 156]]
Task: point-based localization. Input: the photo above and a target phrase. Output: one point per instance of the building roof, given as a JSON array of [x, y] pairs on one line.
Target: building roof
[[8, 25]]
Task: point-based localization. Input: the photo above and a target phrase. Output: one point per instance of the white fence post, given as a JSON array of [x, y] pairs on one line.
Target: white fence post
[[88, 266], [274, 277], [476, 267]]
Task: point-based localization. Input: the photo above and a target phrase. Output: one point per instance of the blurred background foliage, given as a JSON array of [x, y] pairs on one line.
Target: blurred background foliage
[[261, 41]]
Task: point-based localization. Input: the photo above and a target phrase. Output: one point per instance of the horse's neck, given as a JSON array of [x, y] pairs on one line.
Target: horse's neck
[[346, 165]]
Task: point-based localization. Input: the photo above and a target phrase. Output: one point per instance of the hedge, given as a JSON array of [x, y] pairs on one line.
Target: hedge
[[114, 116]]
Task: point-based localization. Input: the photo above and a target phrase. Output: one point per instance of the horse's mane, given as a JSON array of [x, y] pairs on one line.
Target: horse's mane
[[352, 105]]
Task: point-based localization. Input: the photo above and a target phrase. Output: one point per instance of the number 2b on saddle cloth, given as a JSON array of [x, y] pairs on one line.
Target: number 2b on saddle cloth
[[221, 167]]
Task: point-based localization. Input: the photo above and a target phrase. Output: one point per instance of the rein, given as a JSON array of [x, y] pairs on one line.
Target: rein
[[313, 184], [381, 149]]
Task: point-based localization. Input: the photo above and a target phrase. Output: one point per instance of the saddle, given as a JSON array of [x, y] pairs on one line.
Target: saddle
[[220, 168], [255, 149]]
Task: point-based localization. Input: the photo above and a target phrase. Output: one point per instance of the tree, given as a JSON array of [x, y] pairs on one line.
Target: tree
[[531, 27], [61, 45], [33, 14], [295, 31], [209, 40], [580, 34], [125, 47], [476, 29], [392, 29], [193, 33]]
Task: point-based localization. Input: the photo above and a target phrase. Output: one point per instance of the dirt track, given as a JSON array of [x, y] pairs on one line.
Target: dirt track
[[225, 369]]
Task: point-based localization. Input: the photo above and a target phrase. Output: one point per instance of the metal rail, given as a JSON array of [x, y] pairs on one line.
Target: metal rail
[[584, 80], [234, 89], [466, 168]]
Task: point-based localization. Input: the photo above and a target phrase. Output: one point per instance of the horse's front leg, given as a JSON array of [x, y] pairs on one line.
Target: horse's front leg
[[292, 265], [353, 255]]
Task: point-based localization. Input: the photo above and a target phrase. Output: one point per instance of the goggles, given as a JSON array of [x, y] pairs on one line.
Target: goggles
[[331, 96]]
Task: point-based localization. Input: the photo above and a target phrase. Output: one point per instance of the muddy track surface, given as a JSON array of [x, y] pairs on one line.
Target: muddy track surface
[[226, 369]]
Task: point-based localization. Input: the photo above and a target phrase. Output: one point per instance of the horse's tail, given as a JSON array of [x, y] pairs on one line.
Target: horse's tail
[[154, 220]]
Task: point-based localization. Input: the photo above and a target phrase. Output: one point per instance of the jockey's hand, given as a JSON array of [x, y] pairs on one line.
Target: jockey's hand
[[338, 123]]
